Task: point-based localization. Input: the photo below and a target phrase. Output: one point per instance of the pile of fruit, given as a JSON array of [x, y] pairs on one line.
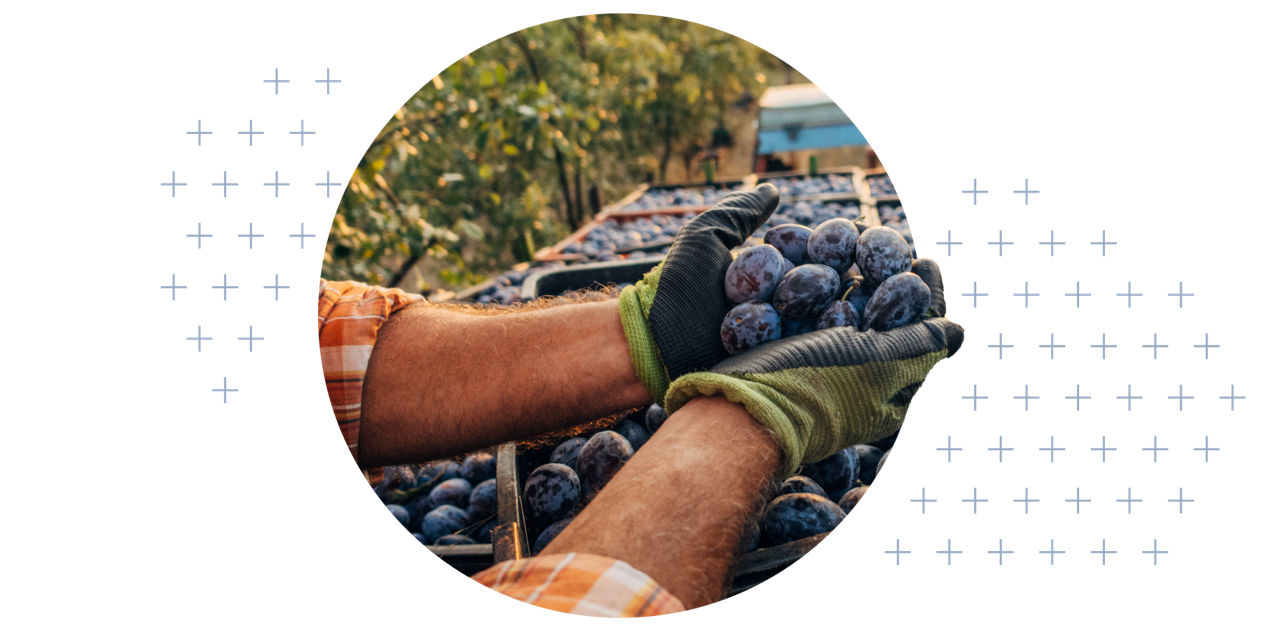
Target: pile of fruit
[[798, 186], [444, 502], [881, 185], [667, 198], [614, 236]]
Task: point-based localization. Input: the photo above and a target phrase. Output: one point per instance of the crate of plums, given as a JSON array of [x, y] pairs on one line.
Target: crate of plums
[[878, 184], [828, 183], [668, 196]]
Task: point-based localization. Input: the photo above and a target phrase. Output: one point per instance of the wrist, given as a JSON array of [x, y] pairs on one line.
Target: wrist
[[646, 360]]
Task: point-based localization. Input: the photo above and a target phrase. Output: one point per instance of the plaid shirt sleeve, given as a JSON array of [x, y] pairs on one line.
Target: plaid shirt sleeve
[[580, 583], [349, 317]]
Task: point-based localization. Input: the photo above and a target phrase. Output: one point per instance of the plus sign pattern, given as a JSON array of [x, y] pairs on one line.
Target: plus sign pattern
[[220, 216]]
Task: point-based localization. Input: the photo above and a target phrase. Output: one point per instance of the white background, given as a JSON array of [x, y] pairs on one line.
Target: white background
[[134, 498]]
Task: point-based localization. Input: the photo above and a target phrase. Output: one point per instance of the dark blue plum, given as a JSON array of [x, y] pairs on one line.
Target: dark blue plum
[[634, 433], [798, 326], [443, 520], [479, 466], [567, 452], [800, 484], [794, 516], [851, 498], [439, 472], [749, 325], [806, 290], [419, 537], [453, 539], [484, 534], [483, 502], [898, 301], [601, 458], [832, 243], [654, 417], [882, 252], [398, 477], [868, 461], [547, 535], [835, 474], [551, 492], [858, 298], [790, 239], [754, 274], [840, 313], [455, 491], [400, 513]]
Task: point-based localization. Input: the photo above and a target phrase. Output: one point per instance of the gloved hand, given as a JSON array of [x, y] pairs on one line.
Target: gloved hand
[[833, 388], [672, 316]]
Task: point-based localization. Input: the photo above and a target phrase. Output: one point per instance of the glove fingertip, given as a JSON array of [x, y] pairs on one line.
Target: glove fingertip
[[952, 334]]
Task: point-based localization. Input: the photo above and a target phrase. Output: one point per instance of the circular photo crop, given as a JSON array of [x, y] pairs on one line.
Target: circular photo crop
[[599, 308]]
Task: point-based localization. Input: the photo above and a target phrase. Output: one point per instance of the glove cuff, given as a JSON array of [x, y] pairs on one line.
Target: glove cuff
[[645, 359], [757, 401]]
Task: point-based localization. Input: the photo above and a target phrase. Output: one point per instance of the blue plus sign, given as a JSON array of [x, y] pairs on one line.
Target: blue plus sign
[[1155, 346], [1052, 449], [251, 339], [1051, 345], [1052, 243], [173, 287], [1129, 397], [1180, 295], [276, 81], [302, 132], [975, 397], [225, 184], [1180, 397], [250, 132], [250, 235], [1052, 552], [1077, 397], [1129, 295], [1077, 500], [974, 295], [1104, 346], [1026, 500], [199, 132], [1000, 242], [1000, 449], [276, 184], [224, 286], [975, 500], [922, 500], [329, 184], [302, 235], [949, 243], [1180, 500], [1155, 450], [1206, 346], [1104, 551], [1233, 397], [1104, 242], [1026, 295], [1155, 552], [276, 287], [975, 191], [1026, 192], [949, 449], [327, 82], [1104, 449], [1026, 397], [1000, 552], [950, 552], [1206, 449], [224, 390], [1077, 295], [173, 184], [199, 236], [1129, 500], [1000, 346], [199, 339], [897, 551]]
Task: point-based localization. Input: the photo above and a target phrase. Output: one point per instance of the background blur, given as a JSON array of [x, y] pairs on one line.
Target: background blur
[[516, 145]]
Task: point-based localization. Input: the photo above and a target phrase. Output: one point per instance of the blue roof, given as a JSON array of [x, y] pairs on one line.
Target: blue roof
[[771, 141]]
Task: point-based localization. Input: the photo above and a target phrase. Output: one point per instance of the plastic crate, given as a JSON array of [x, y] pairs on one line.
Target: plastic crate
[[586, 276]]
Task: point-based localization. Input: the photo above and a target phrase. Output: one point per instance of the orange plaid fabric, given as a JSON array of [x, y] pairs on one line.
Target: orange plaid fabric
[[580, 583], [349, 317]]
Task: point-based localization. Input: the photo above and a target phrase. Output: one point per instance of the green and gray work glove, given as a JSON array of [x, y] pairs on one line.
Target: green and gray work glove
[[833, 388], [672, 316]]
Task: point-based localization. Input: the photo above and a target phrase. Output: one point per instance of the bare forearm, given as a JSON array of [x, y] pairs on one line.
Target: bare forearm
[[676, 510], [441, 382]]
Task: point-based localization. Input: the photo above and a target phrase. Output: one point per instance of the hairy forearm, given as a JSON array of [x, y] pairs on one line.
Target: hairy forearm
[[676, 510], [441, 382]]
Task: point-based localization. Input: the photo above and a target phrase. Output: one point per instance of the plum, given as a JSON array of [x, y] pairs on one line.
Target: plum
[[835, 474], [898, 301], [445, 519], [634, 433], [868, 461], [794, 516], [749, 325], [754, 274], [654, 417], [832, 243], [797, 483], [400, 513], [603, 455], [438, 472], [455, 491], [851, 498], [547, 535], [790, 239], [453, 539], [483, 502], [567, 452], [798, 326], [551, 491], [840, 313], [806, 290], [882, 252], [479, 466]]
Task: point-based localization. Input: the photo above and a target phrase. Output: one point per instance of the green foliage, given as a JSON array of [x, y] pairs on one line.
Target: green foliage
[[515, 145]]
